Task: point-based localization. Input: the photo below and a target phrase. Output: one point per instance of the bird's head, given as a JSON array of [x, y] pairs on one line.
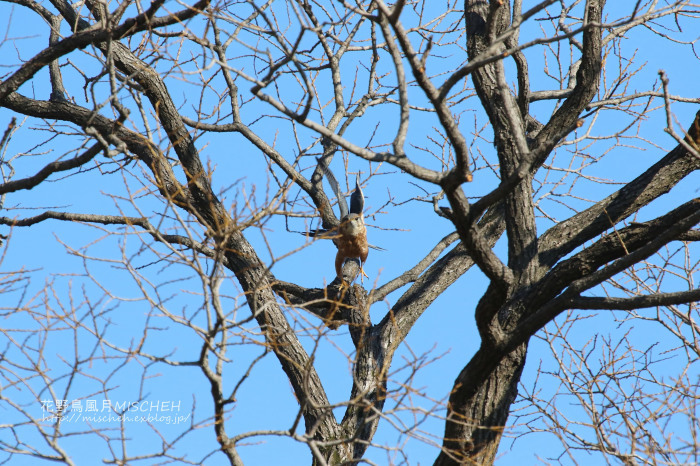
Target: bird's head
[[352, 225]]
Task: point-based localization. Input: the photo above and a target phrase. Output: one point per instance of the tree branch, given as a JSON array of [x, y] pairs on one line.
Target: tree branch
[[144, 149], [587, 81], [93, 35], [684, 218], [53, 167], [242, 258], [461, 172], [415, 272], [566, 236], [509, 135], [142, 222], [443, 273], [477, 244], [636, 302]]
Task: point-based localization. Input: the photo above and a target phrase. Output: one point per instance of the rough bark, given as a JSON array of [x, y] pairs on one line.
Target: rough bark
[[486, 388], [543, 274]]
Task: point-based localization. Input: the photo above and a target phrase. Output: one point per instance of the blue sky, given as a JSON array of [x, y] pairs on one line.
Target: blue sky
[[101, 276]]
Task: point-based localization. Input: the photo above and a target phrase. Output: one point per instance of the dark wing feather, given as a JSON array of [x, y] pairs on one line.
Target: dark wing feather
[[357, 200]]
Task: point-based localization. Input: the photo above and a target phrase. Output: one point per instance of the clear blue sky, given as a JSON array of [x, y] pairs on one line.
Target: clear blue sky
[[444, 339]]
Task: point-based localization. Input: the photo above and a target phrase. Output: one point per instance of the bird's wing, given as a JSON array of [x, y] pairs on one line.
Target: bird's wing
[[357, 200], [342, 203], [320, 233]]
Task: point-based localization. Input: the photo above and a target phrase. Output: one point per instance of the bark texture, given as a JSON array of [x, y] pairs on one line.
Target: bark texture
[[543, 274]]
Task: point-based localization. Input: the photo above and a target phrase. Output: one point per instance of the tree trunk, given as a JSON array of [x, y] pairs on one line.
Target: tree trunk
[[473, 431]]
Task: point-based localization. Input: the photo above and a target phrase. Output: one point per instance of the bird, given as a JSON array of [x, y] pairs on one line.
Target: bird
[[351, 242], [351, 234]]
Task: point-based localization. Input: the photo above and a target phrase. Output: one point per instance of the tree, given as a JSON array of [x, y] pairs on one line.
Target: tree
[[171, 110]]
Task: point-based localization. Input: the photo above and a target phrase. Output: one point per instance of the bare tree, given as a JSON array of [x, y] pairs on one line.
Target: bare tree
[[167, 109]]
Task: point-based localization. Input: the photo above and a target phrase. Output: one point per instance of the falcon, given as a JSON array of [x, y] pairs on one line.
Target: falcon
[[351, 233]]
